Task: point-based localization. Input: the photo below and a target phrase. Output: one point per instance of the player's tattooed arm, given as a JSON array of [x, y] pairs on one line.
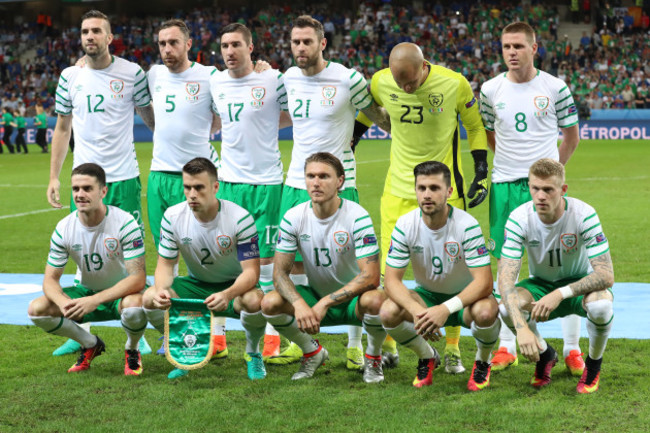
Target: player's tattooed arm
[[136, 266], [367, 279], [282, 264], [378, 115], [601, 278], [147, 115], [508, 273]]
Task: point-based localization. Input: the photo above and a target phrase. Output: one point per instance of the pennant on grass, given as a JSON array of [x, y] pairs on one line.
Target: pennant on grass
[[188, 325]]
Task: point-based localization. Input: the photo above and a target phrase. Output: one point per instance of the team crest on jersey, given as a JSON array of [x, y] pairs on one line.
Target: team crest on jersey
[[569, 242], [192, 90], [453, 251], [328, 93], [111, 245], [116, 87], [258, 94], [436, 99], [541, 103], [224, 242], [341, 238]]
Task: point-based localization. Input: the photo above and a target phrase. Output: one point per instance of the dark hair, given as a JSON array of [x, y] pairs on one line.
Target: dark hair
[[176, 23], [91, 169], [94, 13], [429, 168], [200, 165], [307, 21], [239, 28], [329, 159]]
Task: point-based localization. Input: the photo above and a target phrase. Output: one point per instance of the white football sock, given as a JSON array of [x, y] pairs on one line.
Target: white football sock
[[600, 315], [354, 337], [156, 317], [405, 334], [65, 328], [570, 334], [254, 324], [287, 326], [219, 326], [376, 334], [266, 278], [134, 322], [485, 338]]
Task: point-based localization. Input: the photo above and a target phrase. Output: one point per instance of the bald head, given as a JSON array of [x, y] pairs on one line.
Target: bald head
[[408, 67]]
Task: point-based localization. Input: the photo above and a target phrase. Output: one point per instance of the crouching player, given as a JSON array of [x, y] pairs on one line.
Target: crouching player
[[106, 244], [452, 271], [337, 241], [218, 242], [570, 270]]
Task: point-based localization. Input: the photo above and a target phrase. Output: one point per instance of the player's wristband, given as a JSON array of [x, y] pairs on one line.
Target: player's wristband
[[566, 292], [454, 305]]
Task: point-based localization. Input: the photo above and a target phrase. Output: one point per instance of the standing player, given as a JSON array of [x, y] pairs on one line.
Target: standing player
[[424, 102], [106, 244], [250, 108], [218, 242], [40, 121], [337, 241], [323, 98], [570, 272], [97, 101], [19, 123], [522, 110], [7, 121], [180, 94], [452, 271]]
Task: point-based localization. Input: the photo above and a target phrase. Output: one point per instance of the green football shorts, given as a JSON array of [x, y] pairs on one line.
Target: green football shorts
[[432, 299], [164, 190], [341, 314], [191, 288], [504, 198]]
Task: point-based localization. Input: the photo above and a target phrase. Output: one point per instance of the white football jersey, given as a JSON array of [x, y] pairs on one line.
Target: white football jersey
[[182, 108], [323, 108], [100, 251], [101, 102], [526, 118], [559, 250], [212, 251], [440, 258], [249, 108], [330, 247]]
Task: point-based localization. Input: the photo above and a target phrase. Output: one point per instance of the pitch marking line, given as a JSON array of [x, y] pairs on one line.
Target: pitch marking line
[[16, 215]]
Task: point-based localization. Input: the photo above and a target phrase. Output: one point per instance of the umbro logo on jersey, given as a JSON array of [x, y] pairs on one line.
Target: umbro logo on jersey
[[534, 243], [222, 96], [393, 97], [417, 249], [500, 106], [186, 241], [79, 87], [158, 89], [305, 238], [76, 247]]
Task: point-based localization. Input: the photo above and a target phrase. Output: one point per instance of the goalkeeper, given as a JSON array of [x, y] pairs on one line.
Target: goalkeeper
[[424, 101]]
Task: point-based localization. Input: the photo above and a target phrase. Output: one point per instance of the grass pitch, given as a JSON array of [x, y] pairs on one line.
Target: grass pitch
[[39, 396]]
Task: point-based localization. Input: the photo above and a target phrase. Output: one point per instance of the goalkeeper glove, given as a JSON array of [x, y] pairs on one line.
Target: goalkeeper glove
[[359, 130], [478, 187]]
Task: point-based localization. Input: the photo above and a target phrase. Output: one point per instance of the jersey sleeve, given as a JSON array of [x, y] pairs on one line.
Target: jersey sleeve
[[359, 94], [282, 98], [58, 256], [467, 106], [513, 245], [476, 253], [168, 248], [365, 240], [213, 84], [247, 238], [287, 240], [592, 233], [375, 94], [487, 111], [141, 95], [565, 108], [131, 239], [399, 254], [63, 103]]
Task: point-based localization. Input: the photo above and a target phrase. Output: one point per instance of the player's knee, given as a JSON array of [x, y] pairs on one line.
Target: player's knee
[[390, 313], [485, 312], [272, 303], [147, 298], [600, 311], [130, 301], [252, 300], [370, 302], [40, 306]]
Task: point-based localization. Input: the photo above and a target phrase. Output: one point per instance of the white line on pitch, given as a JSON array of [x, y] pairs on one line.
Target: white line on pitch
[[2, 217]]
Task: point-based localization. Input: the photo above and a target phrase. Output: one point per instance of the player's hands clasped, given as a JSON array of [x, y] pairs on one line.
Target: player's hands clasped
[[429, 322], [543, 308], [76, 309]]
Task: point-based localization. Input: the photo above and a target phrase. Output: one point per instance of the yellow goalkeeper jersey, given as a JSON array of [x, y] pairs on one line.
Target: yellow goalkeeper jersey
[[425, 125]]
